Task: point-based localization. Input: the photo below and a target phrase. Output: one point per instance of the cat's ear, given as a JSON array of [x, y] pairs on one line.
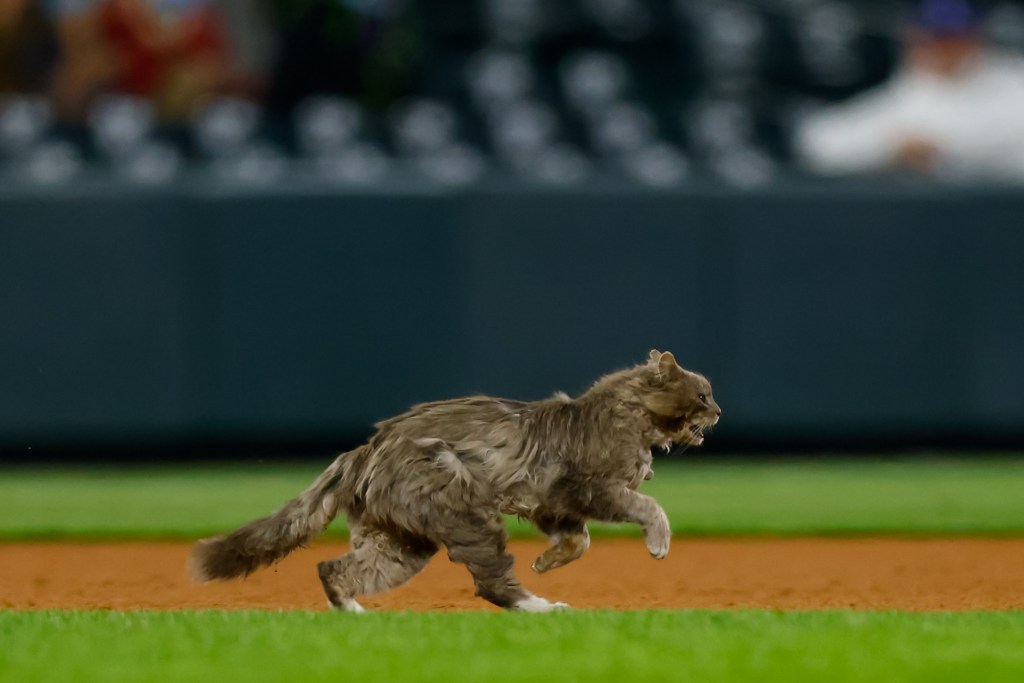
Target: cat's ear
[[654, 357], [667, 364]]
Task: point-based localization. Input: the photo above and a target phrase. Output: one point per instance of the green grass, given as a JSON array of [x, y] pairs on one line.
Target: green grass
[[978, 496], [258, 647], [825, 497]]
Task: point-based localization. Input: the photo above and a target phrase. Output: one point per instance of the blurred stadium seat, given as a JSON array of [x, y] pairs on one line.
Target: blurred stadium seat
[[23, 122], [658, 91]]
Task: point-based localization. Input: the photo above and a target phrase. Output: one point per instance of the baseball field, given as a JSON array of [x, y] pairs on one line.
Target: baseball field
[[882, 569]]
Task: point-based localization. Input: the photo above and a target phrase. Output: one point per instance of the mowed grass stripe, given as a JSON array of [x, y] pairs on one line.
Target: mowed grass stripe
[[963, 496], [259, 647]]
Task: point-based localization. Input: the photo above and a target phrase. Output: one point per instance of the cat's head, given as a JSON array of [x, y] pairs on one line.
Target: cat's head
[[679, 402]]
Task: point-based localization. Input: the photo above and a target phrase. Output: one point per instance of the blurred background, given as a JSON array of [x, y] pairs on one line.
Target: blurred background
[[260, 226]]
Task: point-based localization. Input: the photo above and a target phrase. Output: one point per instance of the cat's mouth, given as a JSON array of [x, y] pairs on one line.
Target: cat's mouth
[[694, 433], [691, 434]]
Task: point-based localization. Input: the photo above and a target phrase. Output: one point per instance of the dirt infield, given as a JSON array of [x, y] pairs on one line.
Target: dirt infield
[[944, 574]]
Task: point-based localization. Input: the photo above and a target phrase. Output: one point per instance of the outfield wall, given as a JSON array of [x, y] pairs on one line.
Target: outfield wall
[[832, 314]]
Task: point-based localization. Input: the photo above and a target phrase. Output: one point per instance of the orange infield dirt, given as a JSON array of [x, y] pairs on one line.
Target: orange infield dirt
[[926, 574]]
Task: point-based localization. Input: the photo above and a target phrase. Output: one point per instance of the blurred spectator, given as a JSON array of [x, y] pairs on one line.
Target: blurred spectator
[[954, 109], [171, 51], [26, 46], [83, 67], [363, 49]]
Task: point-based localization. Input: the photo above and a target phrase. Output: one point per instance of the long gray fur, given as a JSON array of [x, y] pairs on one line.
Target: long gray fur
[[442, 475]]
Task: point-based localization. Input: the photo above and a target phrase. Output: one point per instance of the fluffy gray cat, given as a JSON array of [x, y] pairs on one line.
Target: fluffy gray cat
[[443, 474]]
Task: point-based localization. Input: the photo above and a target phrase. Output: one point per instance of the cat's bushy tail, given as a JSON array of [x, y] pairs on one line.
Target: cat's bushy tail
[[268, 539]]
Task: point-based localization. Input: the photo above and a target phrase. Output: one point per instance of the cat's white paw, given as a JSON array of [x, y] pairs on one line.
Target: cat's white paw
[[536, 603], [348, 605], [658, 550], [658, 537]]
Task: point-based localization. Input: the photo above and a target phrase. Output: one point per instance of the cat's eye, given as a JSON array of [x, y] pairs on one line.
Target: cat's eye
[[702, 397]]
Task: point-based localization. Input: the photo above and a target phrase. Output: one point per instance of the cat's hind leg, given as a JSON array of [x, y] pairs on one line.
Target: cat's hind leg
[[378, 562]]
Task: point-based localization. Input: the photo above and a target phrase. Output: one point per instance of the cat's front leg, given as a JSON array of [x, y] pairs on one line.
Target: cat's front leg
[[569, 540], [621, 504]]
